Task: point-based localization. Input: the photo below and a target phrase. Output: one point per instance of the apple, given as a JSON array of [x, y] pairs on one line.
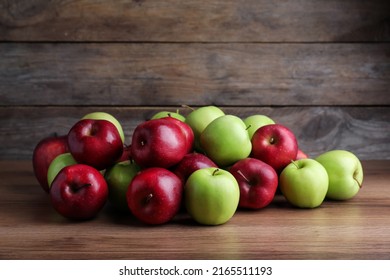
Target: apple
[[345, 173], [44, 152], [187, 131], [211, 196], [57, 164], [274, 144], [126, 154], [258, 182], [95, 142], [254, 122], [304, 183], [301, 155], [190, 163], [79, 191], [107, 117], [225, 140], [154, 195], [158, 143], [118, 178], [164, 114], [200, 118]]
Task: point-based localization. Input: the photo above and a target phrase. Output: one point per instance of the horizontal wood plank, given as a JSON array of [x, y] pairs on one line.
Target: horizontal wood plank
[[355, 229], [194, 74], [195, 21], [362, 130]]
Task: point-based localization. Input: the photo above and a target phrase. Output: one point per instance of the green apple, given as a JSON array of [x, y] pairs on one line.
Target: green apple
[[57, 164], [211, 196], [254, 122], [118, 178], [107, 117], [304, 183], [199, 119], [345, 173], [164, 114], [225, 140]]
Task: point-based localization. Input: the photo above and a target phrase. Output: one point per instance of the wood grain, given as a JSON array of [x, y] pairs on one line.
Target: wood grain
[[362, 130], [194, 74], [354, 229], [321, 67], [195, 21]]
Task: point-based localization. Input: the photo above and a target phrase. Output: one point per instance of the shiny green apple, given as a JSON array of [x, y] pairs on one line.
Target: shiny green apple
[[200, 118], [107, 117], [118, 178], [57, 164], [164, 114], [254, 122], [225, 140], [211, 196], [345, 173], [304, 183]]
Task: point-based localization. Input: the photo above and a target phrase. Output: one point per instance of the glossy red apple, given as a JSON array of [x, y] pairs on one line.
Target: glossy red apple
[[95, 142], [190, 163], [187, 130], [154, 195], [301, 155], [158, 143], [79, 191], [44, 153], [126, 154], [257, 181], [275, 144]]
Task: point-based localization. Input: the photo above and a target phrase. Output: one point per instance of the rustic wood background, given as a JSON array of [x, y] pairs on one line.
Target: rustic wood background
[[320, 67]]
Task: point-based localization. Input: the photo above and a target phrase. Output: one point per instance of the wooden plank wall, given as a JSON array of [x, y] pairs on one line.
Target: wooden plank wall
[[321, 67]]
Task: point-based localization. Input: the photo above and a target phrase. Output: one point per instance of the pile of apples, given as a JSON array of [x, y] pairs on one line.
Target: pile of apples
[[207, 163]]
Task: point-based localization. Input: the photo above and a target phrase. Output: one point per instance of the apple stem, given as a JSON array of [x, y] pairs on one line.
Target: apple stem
[[215, 171], [360, 185], [188, 107], [93, 130], [296, 165], [148, 198], [243, 176], [249, 126], [76, 188]]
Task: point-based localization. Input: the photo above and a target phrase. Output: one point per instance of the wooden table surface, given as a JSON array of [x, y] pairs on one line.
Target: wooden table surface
[[354, 229]]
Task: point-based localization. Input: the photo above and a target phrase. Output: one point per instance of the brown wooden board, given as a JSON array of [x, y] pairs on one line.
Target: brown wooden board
[[195, 21], [194, 74], [351, 230], [321, 67]]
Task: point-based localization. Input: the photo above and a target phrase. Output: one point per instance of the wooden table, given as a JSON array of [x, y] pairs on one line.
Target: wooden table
[[355, 229]]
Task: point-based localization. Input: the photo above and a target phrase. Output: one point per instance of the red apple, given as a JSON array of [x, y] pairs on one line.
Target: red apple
[[158, 143], [258, 182], [187, 130], [190, 163], [301, 155], [275, 144], [79, 191], [154, 195], [44, 153], [95, 142], [126, 154]]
